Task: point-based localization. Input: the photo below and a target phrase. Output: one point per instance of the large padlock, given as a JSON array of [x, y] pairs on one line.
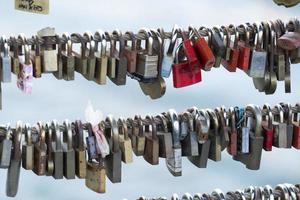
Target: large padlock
[[57, 151], [113, 162], [174, 163], [68, 151], [6, 148], [201, 126], [40, 151], [164, 137], [253, 158], [101, 58], [48, 51], [68, 59], [267, 128], [151, 153], [121, 61], [183, 74], [80, 154], [28, 149], [125, 142], [5, 61], [13, 172]]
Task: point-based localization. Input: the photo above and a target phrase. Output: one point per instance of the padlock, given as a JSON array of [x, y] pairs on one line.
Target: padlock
[[164, 137], [68, 59], [296, 124], [288, 119], [147, 60], [283, 191], [68, 151], [226, 36], [232, 63], [253, 158], [13, 172], [125, 142], [91, 59], [130, 52], [48, 51], [174, 163], [201, 126], [243, 129], [6, 148], [155, 89], [40, 151], [259, 57], [183, 74], [50, 161], [168, 58], [279, 54], [232, 146], [101, 58], [58, 74], [36, 58], [14, 49], [280, 128], [137, 136], [121, 60], [189, 144], [214, 137], [151, 153], [91, 143], [28, 149], [202, 49], [217, 46], [113, 162], [289, 40], [158, 48], [57, 151], [293, 26], [96, 175], [224, 128], [80, 154], [81, 60], [112, 60], [5, 61], [244, 49], [267, 128]]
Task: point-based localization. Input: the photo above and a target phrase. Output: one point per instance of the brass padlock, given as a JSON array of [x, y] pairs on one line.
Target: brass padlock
[[113, 162], [96, 175], [14, 49], [28, 149], [68, 151], [80, 154], [36, 58], [125, 142], [137, 136], [151, 153], [40, 151]]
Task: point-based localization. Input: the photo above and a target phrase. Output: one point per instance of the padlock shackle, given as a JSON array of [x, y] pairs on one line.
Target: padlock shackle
[[214, 122], [113, 133], [99, 36], [217, 193], [42, 133], [266, 35], [17, 142], [280, 117], [69, 44], [123, 129], [80, 38], [153, 126], [257, 116], [204, 120], [132, 37], [269, 117], [173, 41], [9, 132], [188, 118], [57, 135], [164, 123], [175, 128], [187, 196], [232, 119], [118, 34], [138, 118], [28, 135], [68, 134]]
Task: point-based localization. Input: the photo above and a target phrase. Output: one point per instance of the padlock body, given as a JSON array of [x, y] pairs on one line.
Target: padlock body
[[95, 177]]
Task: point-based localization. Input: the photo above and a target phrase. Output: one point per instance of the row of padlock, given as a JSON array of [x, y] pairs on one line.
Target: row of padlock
[[284, 191], [60, 150], [263, 50]]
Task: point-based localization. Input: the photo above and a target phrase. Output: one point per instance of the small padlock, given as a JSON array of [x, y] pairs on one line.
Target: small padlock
[[6, 148], [80, 154], [130, 52], [217, 46], [113, 162], [151, 153], [40, 152], [232, 146], [36, 58], [244, 49], [224, 128], [288, 119], [155, 89], [14, 50], [96, 175], [48, 51], [267, 128], [5, 61], [174, 163], [68, 59], [28, 149], [137, 136], [226, 35], [243, 131], [164, 137], [50, 161], [57, 151], [125, 142], [91, 59], [58, 74], [101, 58], [68, 151], [80, 58], [13, 172], [280, 128]]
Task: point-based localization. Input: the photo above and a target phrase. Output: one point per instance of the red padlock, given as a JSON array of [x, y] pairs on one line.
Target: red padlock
[[245, 51], [296, 123], [202, 49], [267, 128], [232, 63], [183, 73], [189, 50]]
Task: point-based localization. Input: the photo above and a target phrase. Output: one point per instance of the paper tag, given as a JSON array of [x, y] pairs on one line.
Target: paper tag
[[33, 6]]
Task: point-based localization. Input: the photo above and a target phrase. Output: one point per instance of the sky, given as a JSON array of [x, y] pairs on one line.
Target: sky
[[53, 99]]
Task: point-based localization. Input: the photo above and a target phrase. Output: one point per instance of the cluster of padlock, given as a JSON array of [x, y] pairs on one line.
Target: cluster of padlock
[[60, 150], [263, 50], [284, 191]]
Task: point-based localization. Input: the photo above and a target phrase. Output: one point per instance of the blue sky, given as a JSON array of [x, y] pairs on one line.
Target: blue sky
[[59, 99]]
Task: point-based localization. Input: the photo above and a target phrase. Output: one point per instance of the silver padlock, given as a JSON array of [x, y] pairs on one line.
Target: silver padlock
[[5, 61], [6, 148], [280, 128], [49, 51]]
